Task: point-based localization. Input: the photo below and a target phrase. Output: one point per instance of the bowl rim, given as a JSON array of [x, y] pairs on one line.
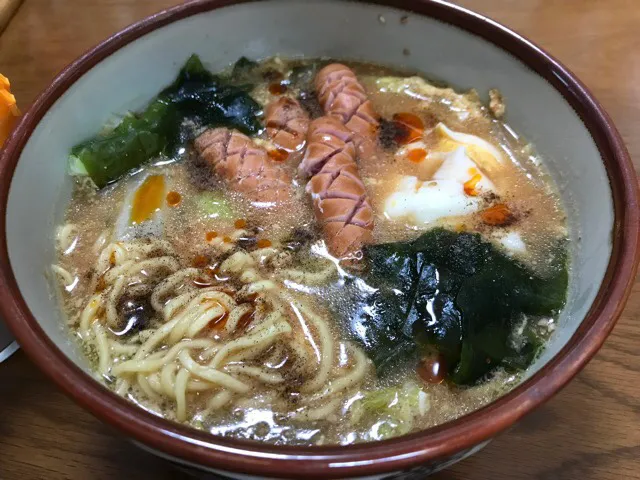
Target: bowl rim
[[248, 457]]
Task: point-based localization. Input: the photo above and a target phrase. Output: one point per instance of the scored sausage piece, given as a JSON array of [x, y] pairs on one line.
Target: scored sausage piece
[[246, 167], [341, 95], [340, 200], [287, 124]]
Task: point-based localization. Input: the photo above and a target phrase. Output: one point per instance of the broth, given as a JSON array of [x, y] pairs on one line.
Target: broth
[[202, 304]]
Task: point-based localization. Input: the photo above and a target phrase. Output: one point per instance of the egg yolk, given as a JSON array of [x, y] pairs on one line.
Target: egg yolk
[[147, 199]]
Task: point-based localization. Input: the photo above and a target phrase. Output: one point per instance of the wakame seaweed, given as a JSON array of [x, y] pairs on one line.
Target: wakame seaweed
[[196, 95], [458, 294]]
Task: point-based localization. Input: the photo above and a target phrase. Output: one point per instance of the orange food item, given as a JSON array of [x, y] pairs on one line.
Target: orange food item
[[147, 199], [470, 185], [173, 199], [277, 88], [245, 166], [263, 243], [226, 239], [410, 127], [417, 155], [211, 235], [240, 223], [287, 124], [279, 154], [8, 109], [432, 369], [496, 215], [343, 97], [200, 261]]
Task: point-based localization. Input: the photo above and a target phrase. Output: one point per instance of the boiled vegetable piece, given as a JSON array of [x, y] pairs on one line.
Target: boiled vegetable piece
[[393, 408], [196, 95], [458, 294], [214, 205]]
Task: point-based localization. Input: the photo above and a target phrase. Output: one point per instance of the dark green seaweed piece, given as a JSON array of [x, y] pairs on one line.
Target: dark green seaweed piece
[[459, 294], [196, 95], [244, 71]]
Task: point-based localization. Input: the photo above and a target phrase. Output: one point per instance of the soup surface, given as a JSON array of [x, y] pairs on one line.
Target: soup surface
[[307, 253]]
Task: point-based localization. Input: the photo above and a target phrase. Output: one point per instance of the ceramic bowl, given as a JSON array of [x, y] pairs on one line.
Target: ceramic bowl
[[545, 103]]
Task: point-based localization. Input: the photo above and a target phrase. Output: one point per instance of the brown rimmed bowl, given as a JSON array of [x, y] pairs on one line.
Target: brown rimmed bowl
[[545, 101]]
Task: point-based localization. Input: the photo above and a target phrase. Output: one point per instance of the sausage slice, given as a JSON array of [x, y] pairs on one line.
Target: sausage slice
[[287, 123], [246, 167], [341, 95], [340, 200]]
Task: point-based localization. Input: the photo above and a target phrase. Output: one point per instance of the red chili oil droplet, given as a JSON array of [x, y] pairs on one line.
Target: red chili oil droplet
[[200, 261], [409, 127], [497, 215], [277, 88], [432, 369], [417, 155], [470, 185], [240, 223], [213, 268], [173, 199], [226, 239], [211, 235], [263, 243], [278, 155]]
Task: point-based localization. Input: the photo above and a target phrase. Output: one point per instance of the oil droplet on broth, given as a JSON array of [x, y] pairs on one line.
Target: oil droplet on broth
[[173, 199], [147, 199]]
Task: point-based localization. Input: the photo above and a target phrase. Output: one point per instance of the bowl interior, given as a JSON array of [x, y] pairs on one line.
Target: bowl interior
[[128, 78]]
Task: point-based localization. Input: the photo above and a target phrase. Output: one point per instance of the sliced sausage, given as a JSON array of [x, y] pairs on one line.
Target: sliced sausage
[[287, 123], [339, 197], [341, 95], [246, 167]]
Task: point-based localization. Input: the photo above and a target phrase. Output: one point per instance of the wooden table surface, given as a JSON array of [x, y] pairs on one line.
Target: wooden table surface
[[591, 430]]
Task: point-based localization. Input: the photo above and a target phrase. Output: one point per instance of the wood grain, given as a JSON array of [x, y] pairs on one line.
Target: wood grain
[[7, 9], [591, 430]]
